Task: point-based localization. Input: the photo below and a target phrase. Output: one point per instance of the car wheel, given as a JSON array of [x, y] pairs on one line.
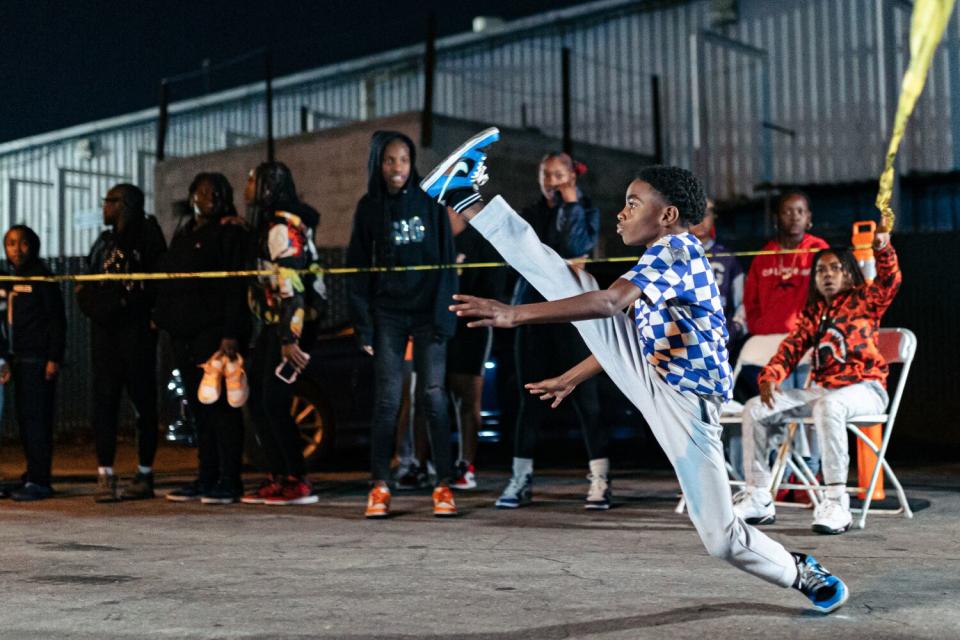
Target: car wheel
[[313, 421]]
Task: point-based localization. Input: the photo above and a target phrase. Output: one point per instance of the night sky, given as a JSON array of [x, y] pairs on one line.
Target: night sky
[[66, 62]]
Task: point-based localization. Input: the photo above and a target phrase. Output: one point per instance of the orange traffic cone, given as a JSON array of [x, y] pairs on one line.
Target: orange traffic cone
[[867, 461]]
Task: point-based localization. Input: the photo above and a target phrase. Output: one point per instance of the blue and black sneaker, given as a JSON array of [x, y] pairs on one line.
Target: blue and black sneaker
[[826, 591], [455, 181]]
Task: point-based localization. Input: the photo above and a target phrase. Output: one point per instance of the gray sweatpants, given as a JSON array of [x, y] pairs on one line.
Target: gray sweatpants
[[686, 425]]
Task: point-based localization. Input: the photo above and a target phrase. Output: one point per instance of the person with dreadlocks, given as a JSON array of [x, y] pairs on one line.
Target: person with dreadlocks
[[31, 354], [123, 345], [283, 227], [397, 225], [208, 323], [840, 323]]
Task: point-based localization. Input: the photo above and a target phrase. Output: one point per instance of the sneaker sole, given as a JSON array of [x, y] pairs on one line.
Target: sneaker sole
[[182, 498], [217, 500], [761, 521], [376, 515], [493, 133], [596, 507], [253, 500], [295, 501], [836, 605], [464, 487], [825, 530], [444, 514]]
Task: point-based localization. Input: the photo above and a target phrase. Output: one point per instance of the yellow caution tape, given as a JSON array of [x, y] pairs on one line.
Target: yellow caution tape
[[930, 18], [336, 271]]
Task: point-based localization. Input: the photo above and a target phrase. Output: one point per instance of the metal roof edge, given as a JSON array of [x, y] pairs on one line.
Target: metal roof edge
[[312, 75]]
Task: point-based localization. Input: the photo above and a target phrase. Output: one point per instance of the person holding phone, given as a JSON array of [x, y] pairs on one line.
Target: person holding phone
[[282, 226]]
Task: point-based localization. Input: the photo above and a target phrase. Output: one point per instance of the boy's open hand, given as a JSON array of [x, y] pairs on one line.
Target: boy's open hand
[[555, 388], [490, 313]]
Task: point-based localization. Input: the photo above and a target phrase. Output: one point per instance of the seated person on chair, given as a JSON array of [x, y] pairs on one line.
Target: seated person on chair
[[840, 323]]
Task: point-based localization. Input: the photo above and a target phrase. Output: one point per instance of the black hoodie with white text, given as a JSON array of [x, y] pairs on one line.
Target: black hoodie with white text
[[406, 229]]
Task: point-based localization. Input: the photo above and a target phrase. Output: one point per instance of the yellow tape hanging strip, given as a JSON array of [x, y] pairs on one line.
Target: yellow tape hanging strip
[[337, 271], [930, 18]]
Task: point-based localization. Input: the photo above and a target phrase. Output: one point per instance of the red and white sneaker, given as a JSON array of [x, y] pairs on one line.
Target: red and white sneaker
[[267, 489], [378, 502], [443, 505], [466, 476], [295, 491]]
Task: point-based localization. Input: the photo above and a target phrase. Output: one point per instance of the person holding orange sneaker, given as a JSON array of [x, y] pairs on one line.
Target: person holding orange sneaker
[[283, 226], [208, 322]]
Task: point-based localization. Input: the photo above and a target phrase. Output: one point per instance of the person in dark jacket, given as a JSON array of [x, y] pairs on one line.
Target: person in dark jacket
[[123, 346], [566, 221], [283, 227], [397, 225], [208, 322], [32, 355], [469, 349]]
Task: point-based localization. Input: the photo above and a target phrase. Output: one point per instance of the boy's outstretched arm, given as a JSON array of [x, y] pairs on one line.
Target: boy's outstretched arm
[[563, 385], [602, 303]]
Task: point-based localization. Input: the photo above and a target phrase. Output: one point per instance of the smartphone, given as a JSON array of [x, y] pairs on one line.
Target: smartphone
[[287, 372]]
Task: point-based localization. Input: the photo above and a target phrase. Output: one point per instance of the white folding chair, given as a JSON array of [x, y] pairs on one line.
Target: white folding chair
[[897, 346], [756, 352]]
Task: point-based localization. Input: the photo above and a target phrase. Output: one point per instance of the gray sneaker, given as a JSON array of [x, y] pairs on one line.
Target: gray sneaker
[[140, 488], [107, 490]]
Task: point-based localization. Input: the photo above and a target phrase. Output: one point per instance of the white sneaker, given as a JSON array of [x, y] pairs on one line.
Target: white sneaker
[[598, 497], [833, 515], [754, 506], [519, 492]]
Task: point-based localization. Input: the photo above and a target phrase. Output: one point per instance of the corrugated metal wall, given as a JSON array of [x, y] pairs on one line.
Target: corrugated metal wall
[[831, 68]]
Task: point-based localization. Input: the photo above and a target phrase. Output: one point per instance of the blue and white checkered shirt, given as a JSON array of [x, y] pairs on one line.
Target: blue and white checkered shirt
[[680, 316]]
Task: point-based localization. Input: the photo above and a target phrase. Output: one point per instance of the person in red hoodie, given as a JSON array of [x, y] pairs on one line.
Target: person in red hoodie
[[776, 287], [840, 323]]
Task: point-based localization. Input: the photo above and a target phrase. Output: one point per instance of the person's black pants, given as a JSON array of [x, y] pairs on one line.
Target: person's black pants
[[34, 398], [546, 351], [124, 358], [270, 401], [219, 426], [391, 330]]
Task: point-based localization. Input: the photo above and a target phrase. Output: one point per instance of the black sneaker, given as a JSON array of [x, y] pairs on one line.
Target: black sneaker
[[30, 492], [412, 479], [140, 488], [222, 494], [106, 489], [188, 493], [826, 591], [456, 180]]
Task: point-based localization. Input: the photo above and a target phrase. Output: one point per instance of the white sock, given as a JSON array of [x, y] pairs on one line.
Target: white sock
[[522, 467], [105, 471], [836, 491], [144, 470], [600, 467]]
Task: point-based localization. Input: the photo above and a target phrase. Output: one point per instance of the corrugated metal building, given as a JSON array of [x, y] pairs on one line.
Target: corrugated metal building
[[752, 91]]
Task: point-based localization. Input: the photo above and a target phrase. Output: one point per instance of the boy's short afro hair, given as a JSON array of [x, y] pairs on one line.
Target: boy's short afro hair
[[679, 188]]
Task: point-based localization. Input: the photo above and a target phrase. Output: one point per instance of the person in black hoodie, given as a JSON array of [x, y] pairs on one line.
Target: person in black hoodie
[[283, 227], [397, 225], [208, 322], [36, 334], [123, 346]]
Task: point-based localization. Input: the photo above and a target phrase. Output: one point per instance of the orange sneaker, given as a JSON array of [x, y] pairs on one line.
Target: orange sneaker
[[209, 391], [443, 505], [235, 379], [378, 503]]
